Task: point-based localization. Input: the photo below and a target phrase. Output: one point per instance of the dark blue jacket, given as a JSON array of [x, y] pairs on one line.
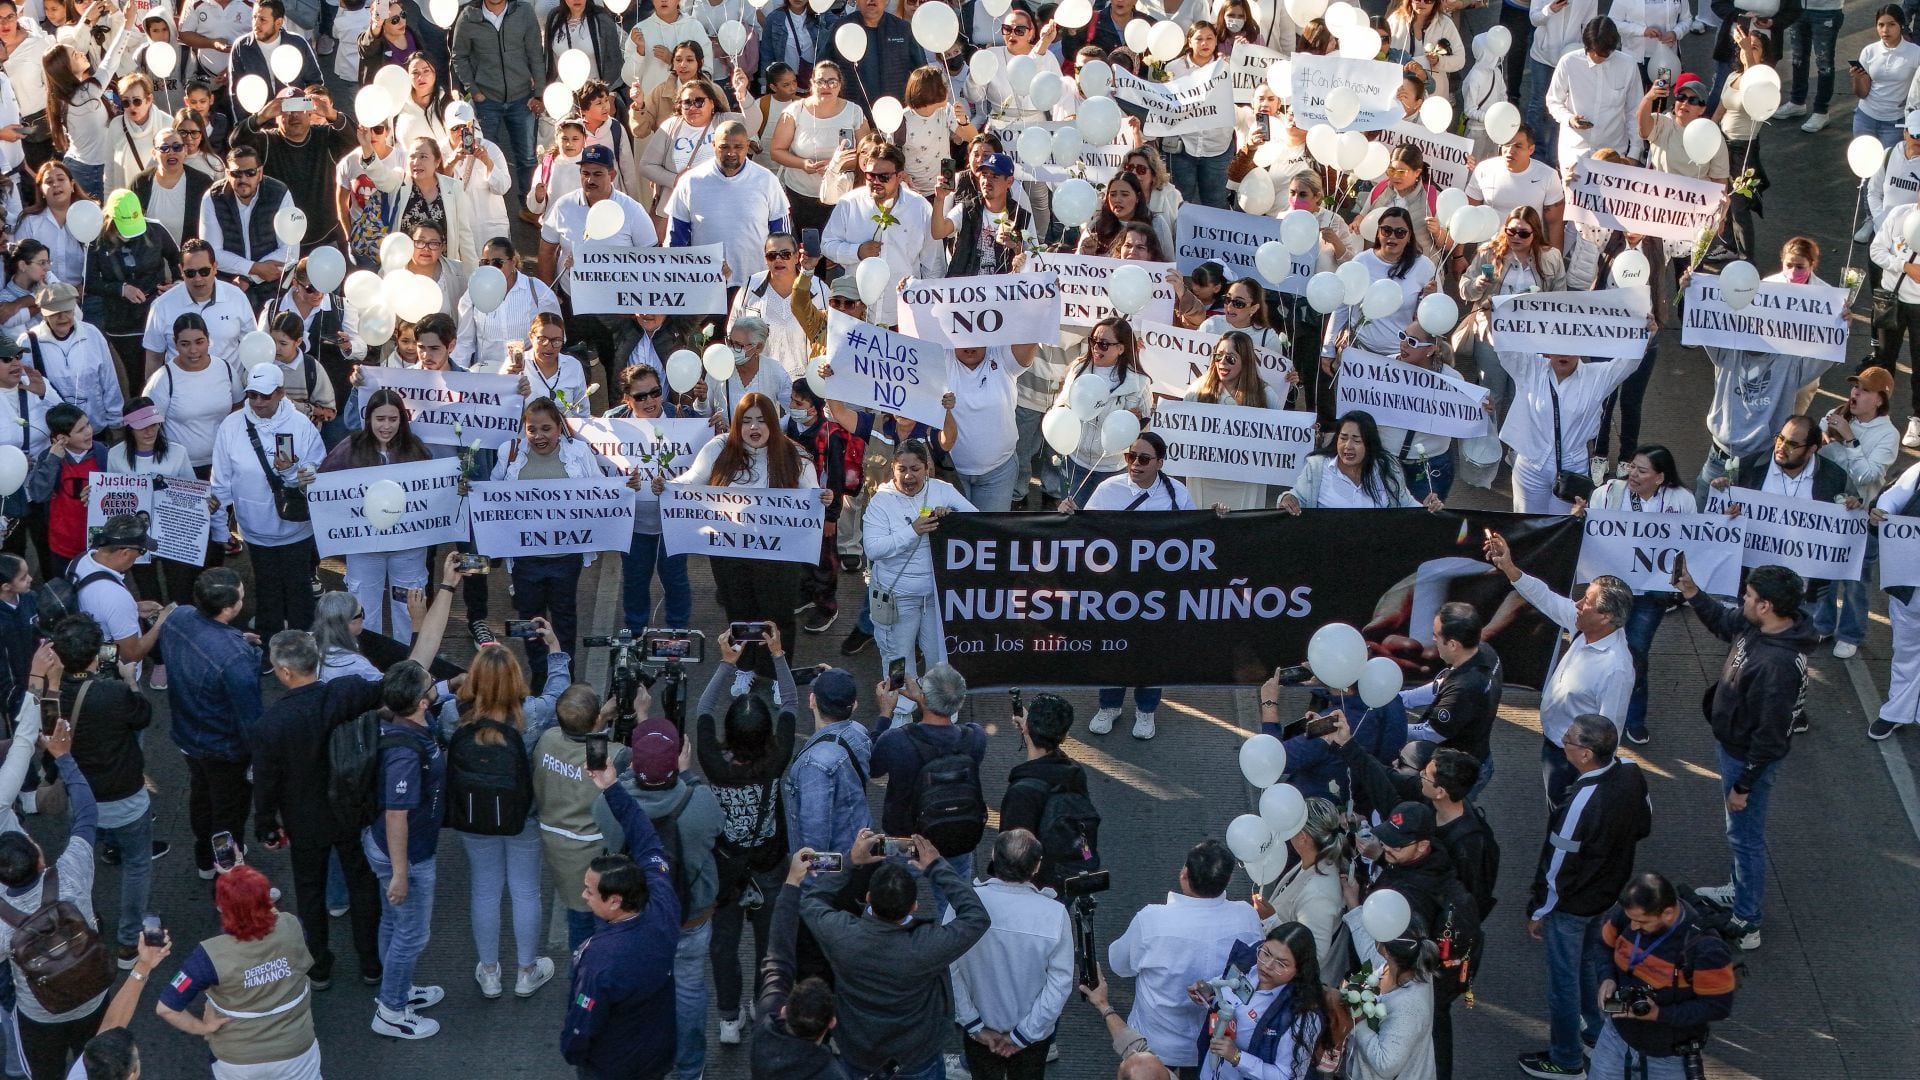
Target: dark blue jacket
[[18, 636], [777, 28], [891, 56], [620, 1011], [1314, 768], [1273, 1024], [213, 685]]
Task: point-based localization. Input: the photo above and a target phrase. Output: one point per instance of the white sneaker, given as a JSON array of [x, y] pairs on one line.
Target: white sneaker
[[533, 979], [336, 912], [424, 997], [730, 1031], [1718, 894], [1143, 725], [1102, 721], [489, 980], [1865, 232], [405, 1024], [1790, 111], [957, 1067], [1698, 27], [1911, 440], [1845, 650], [1814, 123]]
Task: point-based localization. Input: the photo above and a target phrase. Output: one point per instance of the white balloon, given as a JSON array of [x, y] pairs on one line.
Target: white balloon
[[1299, 231], [1034, 146], [1303, 12], [1046, 89], [1325, 292], [1759, 9], [1385, 915], [1073, 14], [1438, 313], [1067, 146], [1074, 202], [1280, 77], [418, 297], [1374, 162], [851, 41], [604, 219], [1166, 41], [251, 92], [1060, 428], [733, 37], [1383, 298], [84, 221], [936, 27], [376, 326], [1323, 142], [1369, 226], [983, 66], [161, 58], [1738, 283], [683, 370], [820, 6], [1339, 15], [285, 61], [1020, 72], [1500, 40], [1336, 653], [395, 81], [1359, 43], [443, 12], [13, 469], [1353, 281], [383, 503], [1269, 867], [1447, 204], [557, 99], [396, 251], [872, 275], [1436, 115], [1353, 150], [361, 288], [888, 114], [1284, 810], [1381, 679], [1272, 259], [1256, 192], [326, 268], [719, 362], [1503, 121], [1263, 759], [574, 68], [1760, 100], [1864, 155], [1247, 836], [1128, 289], [372, 105], [487, 289], [1084, 396], [255, 348], [290, 225], [1136, 35], [1761, 73], [1343, 106], [1099, 119], [1702, 140], [1095, 77], [1631, 268], [1118, 430]]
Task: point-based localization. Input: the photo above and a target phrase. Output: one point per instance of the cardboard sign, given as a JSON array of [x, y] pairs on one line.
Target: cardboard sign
[[551, 517], [992, 309], [1375, 82], [610, 280], [1603, 322], [879, 370], [1403, 396], [780, 524], [452, 408], [435, 513], [1083, 287], [1640, 549], [1198, 101], [1233, 442], [1797, 320], [1628, 198], [1231, 238]]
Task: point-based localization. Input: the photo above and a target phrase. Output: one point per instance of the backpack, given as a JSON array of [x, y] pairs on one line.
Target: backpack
[[58, 951], [59, 597], [949, 806], [489, 788], [1459, 939], [1069, 831], [353, 768], [668, 829]]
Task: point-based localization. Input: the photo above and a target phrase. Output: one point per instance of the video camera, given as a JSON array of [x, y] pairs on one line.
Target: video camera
[[1079, 891], [657, 656]]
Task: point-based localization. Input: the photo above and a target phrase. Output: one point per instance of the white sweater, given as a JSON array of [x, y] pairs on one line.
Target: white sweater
[[1403, 1047], [901, 563]]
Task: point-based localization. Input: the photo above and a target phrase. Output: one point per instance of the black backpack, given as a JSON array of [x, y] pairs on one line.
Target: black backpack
[[59, 597], [1069, 831], [489, 788], [353, 768], [1457, 934], [949, 806], [668, 829]]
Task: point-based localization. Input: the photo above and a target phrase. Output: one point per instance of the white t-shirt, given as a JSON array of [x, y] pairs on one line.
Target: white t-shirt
[[983, 404], [1118, 492], [109, 602], [1889, 72], [737, 212], [194, 403], [228, 316], [565, 224], [168, 206], [221, 22], [1538, 185], [929, 141]]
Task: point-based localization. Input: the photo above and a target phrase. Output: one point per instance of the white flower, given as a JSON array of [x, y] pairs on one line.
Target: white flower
[[1352, 996], [1369, 996]]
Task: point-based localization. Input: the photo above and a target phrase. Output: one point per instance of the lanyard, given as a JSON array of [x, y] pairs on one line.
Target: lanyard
[[1637, 954]]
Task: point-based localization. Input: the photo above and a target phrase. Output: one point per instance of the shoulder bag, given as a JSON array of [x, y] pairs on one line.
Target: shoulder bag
[[1568, 486], [289, 500]]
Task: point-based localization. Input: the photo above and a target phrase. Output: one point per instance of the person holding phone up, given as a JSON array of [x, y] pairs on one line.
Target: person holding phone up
[[264, 456]]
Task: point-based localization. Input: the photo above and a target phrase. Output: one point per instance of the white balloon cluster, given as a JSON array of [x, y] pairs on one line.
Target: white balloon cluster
[[1259, 840]]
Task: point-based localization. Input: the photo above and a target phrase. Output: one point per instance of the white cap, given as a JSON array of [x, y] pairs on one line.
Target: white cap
[[1913, 123], [458, 113], [264, 379]]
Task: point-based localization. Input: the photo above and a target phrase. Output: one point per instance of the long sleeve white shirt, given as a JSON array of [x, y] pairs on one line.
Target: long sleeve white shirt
[[481, 341], [902, 559], [240, 482], [1166, 948], [1018, 976], [80, 368], [1604, 94], [1587, 676], [1529, 426], [908, 247], [1866, 464], [1635, 17], [1556, 31]]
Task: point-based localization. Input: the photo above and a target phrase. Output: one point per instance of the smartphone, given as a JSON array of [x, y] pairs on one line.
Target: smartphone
[[109, 654], [1855, 65], [151, 932], [846, 138], [1679, 567], [1265, 124], [743, 632], [524, 629], [283, 444], [899, 845], [1319, 724], [225, 855], [810, 242], [49, 715], [398, 593], [297, 104], [946, 170], [827, 862], [597, 750], [474, 564], [897, 673], [1018, 706]]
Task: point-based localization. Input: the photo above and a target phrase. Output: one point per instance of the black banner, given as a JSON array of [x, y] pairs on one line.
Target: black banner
[[1194, 599]]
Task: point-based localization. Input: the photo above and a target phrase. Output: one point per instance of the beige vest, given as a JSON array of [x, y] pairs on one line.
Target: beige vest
[[263, 987]]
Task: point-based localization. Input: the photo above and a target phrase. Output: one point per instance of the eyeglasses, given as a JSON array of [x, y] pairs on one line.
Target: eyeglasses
[[1016, 30], [192, 272], [644, 395], [826, 83], [430, 245], [136, 101], [1102, 343], [784, 253], [880, 177], [171, 147], [1782, 440], [1132, 458], [243, 174], [1520, 234], [1393, 232], [188, 133], [1237, 303], [841, 303], [1139, 168]]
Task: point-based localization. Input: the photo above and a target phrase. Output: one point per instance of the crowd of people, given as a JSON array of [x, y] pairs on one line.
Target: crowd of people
[[185, 187]]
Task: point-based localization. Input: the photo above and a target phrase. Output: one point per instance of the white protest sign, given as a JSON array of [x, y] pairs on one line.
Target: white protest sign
[[992, 309], [1247, 68], [780, 524], [1233, 442], [1797, 320], [1445, 154], [1403, 396], [435, 513], [484, 407], [1175, 359], [1818, 540], [1230, 238], [877, 369], [1628, 198], [113, 494], [1200, 100], [1639, 549], [662, 447], [1083, 287], [1602, 322], [1899, 551], [181, 519], [551, 517], [1098, 163], [1374, 82], [614, 280]]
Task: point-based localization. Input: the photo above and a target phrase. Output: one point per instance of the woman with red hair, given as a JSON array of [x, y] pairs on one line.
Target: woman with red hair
[[259, 1006]]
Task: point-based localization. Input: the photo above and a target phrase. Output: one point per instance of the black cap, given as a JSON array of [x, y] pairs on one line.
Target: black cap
[[1410, 823], [124, 531]]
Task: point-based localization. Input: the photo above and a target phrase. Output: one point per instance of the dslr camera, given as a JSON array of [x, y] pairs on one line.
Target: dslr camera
[[1635, 1001]]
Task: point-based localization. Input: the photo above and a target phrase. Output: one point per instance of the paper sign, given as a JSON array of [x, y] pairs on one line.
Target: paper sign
[[485, 407], [1445, 154], [1175, 359], [1083, 287], [1234, 442], [1198, 101], [1097, 163], [992, 309], [113, 494], [435, 513], [1820, 541], [783, 525], [1403, 396], [610, 280], [1640, 549], [1375, 82], [181, 519], [1797, 320], [1247, 68], [1231, 238], [663, 447], [1628, 198], [1899, 551], [1604, 322], [551, 517], [879, 370]]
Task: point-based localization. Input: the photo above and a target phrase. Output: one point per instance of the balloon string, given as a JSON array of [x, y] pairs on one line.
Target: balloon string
[[1851, 242]]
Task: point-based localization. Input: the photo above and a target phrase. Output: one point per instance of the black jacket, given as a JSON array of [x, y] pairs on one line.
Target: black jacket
[[1776, 37], [197, 184], [776, 1053], [306, 168], [290, 757], [1476, 855], [1591, 835], [963, 247], [145, 262], [1424, 884], [1762, 681], [1466, 703], [1021, 806], [1829, 479], [891, 56], [106, 743]]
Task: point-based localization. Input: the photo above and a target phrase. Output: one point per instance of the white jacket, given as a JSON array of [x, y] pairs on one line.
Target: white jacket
[[1613, 495], [1166, 948], [240, 482], [1403, 1047], [1554, 32], [900, 562], [575, 455], [1306, 483], [1018, 977], [1867, 463]]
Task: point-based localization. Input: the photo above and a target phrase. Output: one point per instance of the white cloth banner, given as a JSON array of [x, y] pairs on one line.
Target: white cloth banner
[[175, 511], [992, 309], [1231, 238], [613, 280], [1374, 82], [435, 513], [1099, 163], [782, 525], [1445, 154], [1200, 100], [877, 369], [1083, 287], [1899, 551], [1233, 442], [1797, 320], [1602, 322], [1628, 198], [1403, 396], [1247, 67], [1817, 540], [1175, 359], [1639, 549], [662, 447], [551, 517], [453, 408]]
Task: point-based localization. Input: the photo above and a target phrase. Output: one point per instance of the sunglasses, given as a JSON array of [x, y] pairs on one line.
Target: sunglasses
[[243, 174], [785, 253], [1413, 342], [171, 147], [1782, 440], [204, 271], [1689, 99], [497, 263], [880, 177], [378, 129], [1393, 232], [695, 103], [396, 19], [1102, 343], [136, 101], [307, 286], [1139, 169], [1016, 31], [1237, 303], [1520, 234], [1132, 458], [644, 395]]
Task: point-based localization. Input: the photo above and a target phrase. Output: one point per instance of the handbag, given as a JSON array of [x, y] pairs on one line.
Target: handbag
[[885, 610], [1886, 312], [1568, 486], [289, 500]]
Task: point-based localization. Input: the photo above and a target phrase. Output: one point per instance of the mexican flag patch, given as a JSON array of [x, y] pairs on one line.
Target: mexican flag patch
[[580, 1001], [182, 982]]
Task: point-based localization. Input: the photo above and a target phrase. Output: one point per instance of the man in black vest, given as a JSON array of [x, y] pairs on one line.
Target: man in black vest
[[236, 217]]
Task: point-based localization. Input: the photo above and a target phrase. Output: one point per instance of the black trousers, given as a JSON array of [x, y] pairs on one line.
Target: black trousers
[[548, 586], [760, 590], [282, 587], [1027, 1064], [48, 1048], [1886, 343], [310, 900], [218, 798]]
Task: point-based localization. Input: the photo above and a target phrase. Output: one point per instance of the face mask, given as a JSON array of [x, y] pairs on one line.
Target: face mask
[[1234, 24], [1300, 202], [1799, 276]]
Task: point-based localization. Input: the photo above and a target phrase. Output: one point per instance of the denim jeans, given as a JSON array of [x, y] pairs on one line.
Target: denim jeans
[[1613, 1057], [1145, 698], [1053, 479], [403, 929], [991, 491], [510, 125], [1712, 467], [932, 1070], [1813, 36], [1642, 624], [1576, 962], [1434, 475], [1556, 772], [1747, 836], [1887, 131], [336, 884], [510, 864], [1480, 783], [1840, 607], [1081, 481], [135, 841], [690, 1001], [645, 558], [1201, 180], [1546, 131], [961, 865], [87, 177]]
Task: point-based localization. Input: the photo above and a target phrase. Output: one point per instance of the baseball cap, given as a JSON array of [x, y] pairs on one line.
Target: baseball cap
[[264, 379], [1874, 378], [458, 113], [9, 348], [123, 207], [1688, 78], [844, 288], [56, 297], [597, 155], [835, 691], [1913, 123], [1410, 823], [997, 164], [656, 752], [124, 531]]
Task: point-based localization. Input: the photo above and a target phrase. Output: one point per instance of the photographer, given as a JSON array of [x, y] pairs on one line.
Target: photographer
[[1045, 773], [565, 793], [1671, 978], [790, 1042]]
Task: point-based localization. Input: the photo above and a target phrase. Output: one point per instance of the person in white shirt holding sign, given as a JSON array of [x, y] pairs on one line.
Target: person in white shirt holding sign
[[1861, 439], [1356, 472], [1233, 378], [257, 451], [1200, 164], [1553, 421], [1112, 355], [901, 514]]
